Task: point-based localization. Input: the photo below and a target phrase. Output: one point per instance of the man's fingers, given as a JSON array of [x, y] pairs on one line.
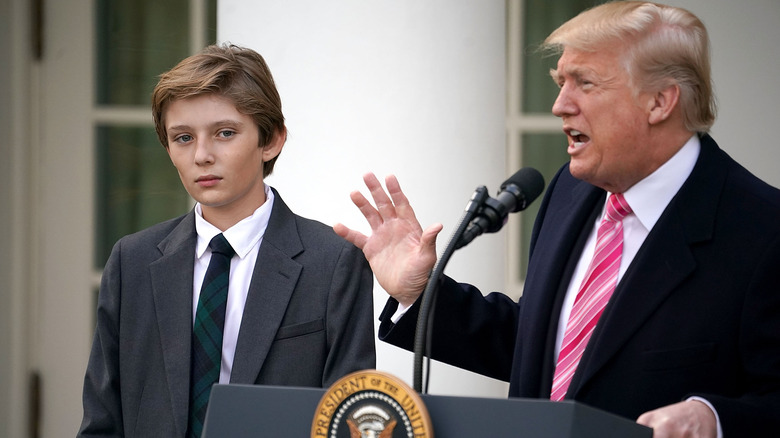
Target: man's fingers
[[403, 209], [369, 212], [690, 418], [388, 209], [356, 238], [394, 188], [383, 203], [428, 237]]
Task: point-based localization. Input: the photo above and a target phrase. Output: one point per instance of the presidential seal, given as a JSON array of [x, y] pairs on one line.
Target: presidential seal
[[371, 404]]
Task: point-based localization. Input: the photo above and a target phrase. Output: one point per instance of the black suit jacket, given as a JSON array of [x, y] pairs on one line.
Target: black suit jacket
[[696, 313], [307, 321]]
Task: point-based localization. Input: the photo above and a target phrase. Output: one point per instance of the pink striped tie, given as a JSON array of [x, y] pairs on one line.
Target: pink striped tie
[[594, 293]]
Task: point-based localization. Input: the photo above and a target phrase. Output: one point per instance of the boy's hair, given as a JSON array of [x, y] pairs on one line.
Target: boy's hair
[[236, 73]]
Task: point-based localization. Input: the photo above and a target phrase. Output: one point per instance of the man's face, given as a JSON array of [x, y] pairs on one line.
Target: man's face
[[216, 150], [606, 124]]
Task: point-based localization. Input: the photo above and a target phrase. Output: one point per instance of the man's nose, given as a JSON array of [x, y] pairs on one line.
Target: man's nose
[[564, 105]]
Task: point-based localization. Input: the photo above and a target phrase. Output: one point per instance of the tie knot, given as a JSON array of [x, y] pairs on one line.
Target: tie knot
[[617, 208], [220, 245]]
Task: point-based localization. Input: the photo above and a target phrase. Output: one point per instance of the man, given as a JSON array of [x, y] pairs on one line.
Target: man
[[659, 302], [298, 305]]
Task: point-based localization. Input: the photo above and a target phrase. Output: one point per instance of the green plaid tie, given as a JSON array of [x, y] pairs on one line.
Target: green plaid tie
[[207, 332]]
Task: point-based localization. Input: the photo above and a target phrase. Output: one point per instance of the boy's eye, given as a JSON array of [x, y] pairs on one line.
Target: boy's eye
[[184, 138], [226, 133]]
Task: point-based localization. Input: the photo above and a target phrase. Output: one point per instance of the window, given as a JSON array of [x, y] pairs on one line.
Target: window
[[135, 183], [534, 137]]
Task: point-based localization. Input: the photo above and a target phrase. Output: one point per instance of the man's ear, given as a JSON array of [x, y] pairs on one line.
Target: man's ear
[[274, 148], [663, 103]]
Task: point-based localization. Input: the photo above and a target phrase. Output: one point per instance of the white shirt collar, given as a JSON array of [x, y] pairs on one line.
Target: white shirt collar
[[649, 197], [242, 236]]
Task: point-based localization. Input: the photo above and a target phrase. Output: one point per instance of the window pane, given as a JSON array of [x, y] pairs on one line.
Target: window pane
[[136, 41], [211, 21], [540, 18], [546, 153], [137, 186]]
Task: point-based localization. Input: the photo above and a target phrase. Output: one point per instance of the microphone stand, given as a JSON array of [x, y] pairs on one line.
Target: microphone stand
[[424, 329]]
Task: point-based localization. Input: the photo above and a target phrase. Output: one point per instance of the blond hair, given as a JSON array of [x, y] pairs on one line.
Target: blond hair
[[665, 46]]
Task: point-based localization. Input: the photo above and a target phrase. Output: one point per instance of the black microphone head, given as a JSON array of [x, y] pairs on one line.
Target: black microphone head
[[530, 184]]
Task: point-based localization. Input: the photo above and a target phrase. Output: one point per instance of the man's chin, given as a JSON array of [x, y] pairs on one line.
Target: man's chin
[[578, 170]]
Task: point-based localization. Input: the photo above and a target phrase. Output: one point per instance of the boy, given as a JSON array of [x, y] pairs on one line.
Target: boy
[[296, 306]]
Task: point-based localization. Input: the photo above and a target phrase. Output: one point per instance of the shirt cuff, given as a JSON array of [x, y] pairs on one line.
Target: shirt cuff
[[712, 408], [401, 311]]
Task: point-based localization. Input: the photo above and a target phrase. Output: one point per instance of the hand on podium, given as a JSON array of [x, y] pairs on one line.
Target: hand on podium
[[687, 419]]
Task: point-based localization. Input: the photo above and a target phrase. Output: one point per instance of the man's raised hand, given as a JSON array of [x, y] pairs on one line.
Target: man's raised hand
[[400, 252]]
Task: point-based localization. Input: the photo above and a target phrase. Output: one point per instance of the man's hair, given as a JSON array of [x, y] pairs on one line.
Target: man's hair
[[236, 73], [664, 46]]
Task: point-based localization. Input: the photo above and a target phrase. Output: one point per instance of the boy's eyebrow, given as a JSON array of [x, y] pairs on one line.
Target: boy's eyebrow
[[185, 127], [177, 128]]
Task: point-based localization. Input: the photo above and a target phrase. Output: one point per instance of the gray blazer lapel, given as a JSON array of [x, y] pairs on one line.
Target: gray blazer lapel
[[172, 282], [664, 261], [273, 282]]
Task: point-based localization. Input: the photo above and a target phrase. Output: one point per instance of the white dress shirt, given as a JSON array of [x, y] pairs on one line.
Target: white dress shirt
[[648, 199], [245, 238]]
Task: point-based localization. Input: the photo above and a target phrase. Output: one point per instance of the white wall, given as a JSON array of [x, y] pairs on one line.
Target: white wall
[[745, 38], [389, 86]]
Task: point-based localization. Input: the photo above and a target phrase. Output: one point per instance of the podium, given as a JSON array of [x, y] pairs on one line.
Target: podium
[[239, 411]]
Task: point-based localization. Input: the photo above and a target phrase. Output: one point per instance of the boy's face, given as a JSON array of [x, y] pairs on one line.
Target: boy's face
[[216, 150]]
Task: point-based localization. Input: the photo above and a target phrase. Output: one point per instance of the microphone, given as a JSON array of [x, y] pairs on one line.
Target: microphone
[[516, 194]]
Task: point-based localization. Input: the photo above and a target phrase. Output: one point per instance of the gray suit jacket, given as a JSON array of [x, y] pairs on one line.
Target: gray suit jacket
[[308, 321]]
